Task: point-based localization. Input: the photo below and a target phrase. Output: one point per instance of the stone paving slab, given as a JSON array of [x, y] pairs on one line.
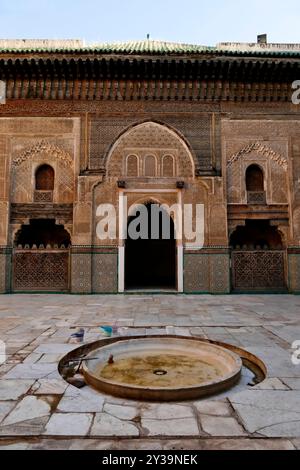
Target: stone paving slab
[[271, 384], [29, 407], [292, 383], [83, 400], [36, 403], [49, 387], [213, 408], [14, 389], [31, 427], [5, 408], [55, 348], [108, 425], [69, 424], [166, 411], [31, 371], [221, 426], [121, 411], [269, 413], [171, 427]]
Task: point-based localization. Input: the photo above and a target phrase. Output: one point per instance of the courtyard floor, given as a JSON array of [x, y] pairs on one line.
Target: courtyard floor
[[39, 410]]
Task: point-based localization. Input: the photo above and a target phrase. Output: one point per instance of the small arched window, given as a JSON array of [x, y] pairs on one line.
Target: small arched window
[[132, 165], [254, 178], [150, 165], [168, 166], [44, 178]]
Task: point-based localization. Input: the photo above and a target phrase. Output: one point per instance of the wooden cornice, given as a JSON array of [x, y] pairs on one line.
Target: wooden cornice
[[215, 79]]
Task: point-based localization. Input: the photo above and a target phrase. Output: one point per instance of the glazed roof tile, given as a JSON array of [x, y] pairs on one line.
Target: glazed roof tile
[[151, 47]]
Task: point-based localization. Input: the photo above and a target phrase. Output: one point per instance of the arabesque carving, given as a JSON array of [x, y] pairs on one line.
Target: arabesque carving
[[260, 148], [44, 147]]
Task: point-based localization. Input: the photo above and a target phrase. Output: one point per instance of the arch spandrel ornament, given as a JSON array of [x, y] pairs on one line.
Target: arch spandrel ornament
[[43, 147], [260, 149]]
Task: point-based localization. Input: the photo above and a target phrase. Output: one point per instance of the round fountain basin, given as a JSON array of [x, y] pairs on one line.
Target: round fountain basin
[[161, 368]]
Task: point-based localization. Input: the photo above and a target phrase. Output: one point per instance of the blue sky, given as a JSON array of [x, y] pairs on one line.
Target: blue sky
[[190, 21]]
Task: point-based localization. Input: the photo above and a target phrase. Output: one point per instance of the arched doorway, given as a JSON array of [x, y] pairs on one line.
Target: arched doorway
[[150, 263], [41, 257], [258, 258]]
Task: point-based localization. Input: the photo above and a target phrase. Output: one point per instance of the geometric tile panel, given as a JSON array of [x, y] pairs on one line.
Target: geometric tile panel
[[105, 273], [81, 273], [196, 269], [5, 270], [294, 272], [219, 274], [206, 273]]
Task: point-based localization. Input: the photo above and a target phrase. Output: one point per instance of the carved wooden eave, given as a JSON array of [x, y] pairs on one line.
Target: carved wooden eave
[[207, 76]]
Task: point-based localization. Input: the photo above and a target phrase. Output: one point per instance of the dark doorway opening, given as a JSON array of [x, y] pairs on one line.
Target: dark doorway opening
[[256, 234], [42, 232], [151, 263]]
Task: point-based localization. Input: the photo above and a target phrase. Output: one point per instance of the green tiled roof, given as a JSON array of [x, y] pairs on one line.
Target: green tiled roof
[[148, 47]]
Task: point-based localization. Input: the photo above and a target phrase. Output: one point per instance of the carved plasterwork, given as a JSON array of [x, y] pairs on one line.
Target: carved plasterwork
[[25, 164], [43, 147], [261, 149], [271, 162], [150, 138]]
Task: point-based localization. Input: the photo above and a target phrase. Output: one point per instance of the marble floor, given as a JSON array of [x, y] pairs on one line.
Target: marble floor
[[39, 410]]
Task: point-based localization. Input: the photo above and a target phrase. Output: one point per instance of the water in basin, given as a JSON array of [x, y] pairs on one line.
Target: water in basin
[[160, 370]]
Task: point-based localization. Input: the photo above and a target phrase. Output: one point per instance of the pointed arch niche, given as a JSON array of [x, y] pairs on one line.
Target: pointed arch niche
[[160, 151]]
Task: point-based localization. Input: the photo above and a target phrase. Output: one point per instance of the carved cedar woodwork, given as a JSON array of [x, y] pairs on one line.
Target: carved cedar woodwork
[[47, 270], [258, 270]]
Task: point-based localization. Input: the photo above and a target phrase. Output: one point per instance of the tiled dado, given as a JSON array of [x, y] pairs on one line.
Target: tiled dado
[[94, 270], [81, 271], [207, 272], [294, 270], [105, 272], [5, 269]]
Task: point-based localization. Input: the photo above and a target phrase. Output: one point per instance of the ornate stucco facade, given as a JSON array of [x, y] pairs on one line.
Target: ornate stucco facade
[[157, 122]]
